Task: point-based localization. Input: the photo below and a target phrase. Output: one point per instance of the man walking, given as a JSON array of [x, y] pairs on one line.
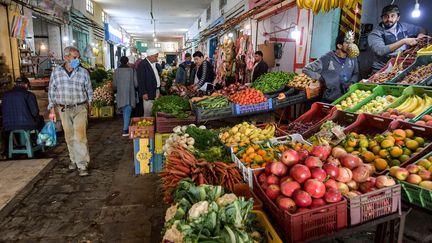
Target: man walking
[[71, 93], [148, 80]]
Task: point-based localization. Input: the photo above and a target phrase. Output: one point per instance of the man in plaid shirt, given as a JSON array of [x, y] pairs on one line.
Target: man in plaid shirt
[[71, 93]]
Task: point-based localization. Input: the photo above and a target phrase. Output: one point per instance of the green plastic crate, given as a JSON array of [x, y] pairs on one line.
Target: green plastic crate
[[381, 90], [351, 90], [419, 117], [420, 61], [417, 195]]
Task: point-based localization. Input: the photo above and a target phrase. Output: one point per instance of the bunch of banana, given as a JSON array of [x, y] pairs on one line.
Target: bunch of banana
[[415, 104], [326, 5]]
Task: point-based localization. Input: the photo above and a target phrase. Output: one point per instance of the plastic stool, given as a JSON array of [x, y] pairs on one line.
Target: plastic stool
[[24, 140]]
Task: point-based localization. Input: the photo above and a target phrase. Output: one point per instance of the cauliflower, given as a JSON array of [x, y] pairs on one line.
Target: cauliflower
[[173, 234], [226, 199], [171, 212], [198, 209]]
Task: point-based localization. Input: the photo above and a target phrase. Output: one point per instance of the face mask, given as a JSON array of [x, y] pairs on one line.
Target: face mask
[[75, 63], [188, 62]]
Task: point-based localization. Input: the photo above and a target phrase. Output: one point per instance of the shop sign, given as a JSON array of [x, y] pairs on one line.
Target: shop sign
[[112, 34]]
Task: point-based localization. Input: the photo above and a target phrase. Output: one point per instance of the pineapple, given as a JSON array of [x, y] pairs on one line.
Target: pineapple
[[353, 50]]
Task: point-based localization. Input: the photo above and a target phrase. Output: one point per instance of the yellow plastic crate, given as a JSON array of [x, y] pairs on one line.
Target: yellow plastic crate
[[270, 232], [94, 112], [106, 111], [160, 139]]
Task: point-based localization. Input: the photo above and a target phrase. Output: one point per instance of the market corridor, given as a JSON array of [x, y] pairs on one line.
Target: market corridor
[[111, 205]]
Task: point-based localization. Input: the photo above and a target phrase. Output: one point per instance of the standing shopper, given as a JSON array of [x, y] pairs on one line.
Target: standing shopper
[[125, 82], [71, 93], [148, 80], [203, 76], [260, 67], [184, 71]]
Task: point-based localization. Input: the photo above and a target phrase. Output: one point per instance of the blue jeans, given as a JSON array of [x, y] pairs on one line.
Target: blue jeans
[[127, 110]]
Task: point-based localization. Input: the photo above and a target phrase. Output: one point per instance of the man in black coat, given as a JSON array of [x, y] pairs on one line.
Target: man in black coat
[[260, 66], [148, 80], [203, 74]]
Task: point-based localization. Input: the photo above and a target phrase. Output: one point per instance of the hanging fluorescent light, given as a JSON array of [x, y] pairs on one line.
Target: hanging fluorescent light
[[416, 12], [295, 34]]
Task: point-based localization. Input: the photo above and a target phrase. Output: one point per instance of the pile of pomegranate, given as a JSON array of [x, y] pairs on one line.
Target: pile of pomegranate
[[304, 180]]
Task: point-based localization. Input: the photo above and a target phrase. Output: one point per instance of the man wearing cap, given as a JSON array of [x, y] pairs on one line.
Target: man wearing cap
[[392, 36], [70, 92], [148, 80], [20, 108]]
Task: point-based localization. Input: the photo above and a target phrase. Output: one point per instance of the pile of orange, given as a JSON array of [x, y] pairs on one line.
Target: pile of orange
[[385, 150]]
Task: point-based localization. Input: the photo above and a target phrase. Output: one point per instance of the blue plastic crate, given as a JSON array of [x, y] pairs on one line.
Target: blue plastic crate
[[157, 163], [143, 155], [242, 109]]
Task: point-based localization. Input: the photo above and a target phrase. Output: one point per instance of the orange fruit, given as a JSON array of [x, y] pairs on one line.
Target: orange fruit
[[386, 143], [258, 158], [354, 134], [425, 163], [248, 160], [355, 152], [430, 169], [396, 152], [235, 150], [250, 150], [409, 133], [400, 143], [368, 156], [372, 143], [376, 149], [404, 158], [380, 164], [256, 147], [261, 152], [420, 141], [412, 144], [399, 134], [352, 142], [383, 153]]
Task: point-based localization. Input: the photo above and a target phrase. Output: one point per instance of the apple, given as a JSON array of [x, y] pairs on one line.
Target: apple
[[425, 175], [413, 179], [413, 169], [401, 174]]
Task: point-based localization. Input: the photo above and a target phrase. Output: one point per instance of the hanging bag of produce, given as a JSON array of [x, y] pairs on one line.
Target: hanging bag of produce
[[47, 136]]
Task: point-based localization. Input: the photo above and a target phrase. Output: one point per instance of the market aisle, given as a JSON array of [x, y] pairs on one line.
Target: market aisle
[[111, 205]]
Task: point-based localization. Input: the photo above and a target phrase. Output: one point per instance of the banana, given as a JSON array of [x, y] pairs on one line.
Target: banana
[[412, 106], [335, 3], [428, 101], [419, 103], [328, 5], [299, 3], [341, 3], [405, 104], [348, 3], [307, 4], [316, 6], [421, 107]]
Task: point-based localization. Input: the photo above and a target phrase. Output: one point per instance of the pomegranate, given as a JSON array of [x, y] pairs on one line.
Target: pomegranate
[[366, 186], [331, 170], [264, 186], [338, 152], [273, 191], [319, 174], [288, 187], [286, 178], [302, 198], [332, 196], [342, 187], [361, 173], [371, 168], [321, 151], [317, 202], [287, 204], [272, 180], [262, 178], [345, 174], [315, 188], [333, 161], [352, 194], [331, 183], [267, 169], [303, 154], [278, 169], [352, 185], [300, 173], [351, 161], [290, 157], [312, 162]]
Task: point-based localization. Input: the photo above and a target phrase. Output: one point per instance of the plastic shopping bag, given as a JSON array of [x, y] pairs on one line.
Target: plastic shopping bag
[[47, 136]]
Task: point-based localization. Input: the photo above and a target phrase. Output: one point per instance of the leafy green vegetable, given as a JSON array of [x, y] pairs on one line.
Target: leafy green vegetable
[[173, 105], [271, 82], [99, 75], [204, 138]]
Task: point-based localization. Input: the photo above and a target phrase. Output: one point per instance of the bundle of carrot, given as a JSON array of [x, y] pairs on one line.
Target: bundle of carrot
[[248, 96], [181, 163]]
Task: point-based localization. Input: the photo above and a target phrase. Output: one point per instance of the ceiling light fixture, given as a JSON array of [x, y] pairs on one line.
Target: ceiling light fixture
[[155, 39], [416, 12], [295, 34], [65, 39], [42, 46]]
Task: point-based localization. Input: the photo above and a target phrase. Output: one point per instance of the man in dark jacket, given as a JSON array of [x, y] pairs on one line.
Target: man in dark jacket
[[203, 75], [184, 71], [260, 66], [335, 70], [148, 80], [20, 108]]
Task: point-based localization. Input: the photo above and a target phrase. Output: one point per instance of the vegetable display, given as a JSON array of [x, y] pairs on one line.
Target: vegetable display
[[270, 82], [246, 133], [230, 90], [173, 105], [103, 95], [206, 214], [302, 81], [248, 96], [181, 164], [212, 102]]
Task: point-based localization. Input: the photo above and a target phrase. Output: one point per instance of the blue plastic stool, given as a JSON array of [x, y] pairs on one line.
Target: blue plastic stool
[[24, 140]]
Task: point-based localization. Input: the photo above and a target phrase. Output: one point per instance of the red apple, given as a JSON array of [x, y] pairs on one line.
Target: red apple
[[319, 174], [425, 175], [401, 174], [413, 169], [413, 179]]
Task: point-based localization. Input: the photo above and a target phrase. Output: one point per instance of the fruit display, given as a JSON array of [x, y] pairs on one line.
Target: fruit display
[[352, 49], [103, 95], [426, 120], [418, 174], [143, 123], [257, 155], [421, 43], [302, 81], [353, 99], [201, 213], [141, 128], [326, 5], [415, 104], [417, 75], [395, 114], [384, 76], [248, 96], [385, 150], [212, 102], [298, 127], [246, 133], [330, 133], [270, 82], [378, 104], [227, 91]]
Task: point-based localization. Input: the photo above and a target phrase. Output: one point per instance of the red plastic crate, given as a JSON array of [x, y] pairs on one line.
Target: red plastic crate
[[139, 131], [318, 112], [369, 124], [309, 225], [340, 117], [166, 123], [374, 204]]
